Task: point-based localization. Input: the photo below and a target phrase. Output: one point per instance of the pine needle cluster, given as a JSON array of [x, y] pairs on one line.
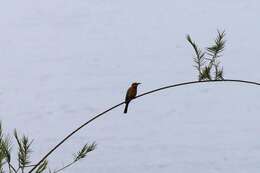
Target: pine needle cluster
[[207, 62], [24, 151]]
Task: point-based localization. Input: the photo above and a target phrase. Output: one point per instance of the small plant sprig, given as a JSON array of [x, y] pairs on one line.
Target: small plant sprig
[[209, 67], [24, 151], [79, 155], [5, 148], [24, 154]]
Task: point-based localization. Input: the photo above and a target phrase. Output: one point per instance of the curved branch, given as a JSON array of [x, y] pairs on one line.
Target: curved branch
[[141, 95], [196, 82]]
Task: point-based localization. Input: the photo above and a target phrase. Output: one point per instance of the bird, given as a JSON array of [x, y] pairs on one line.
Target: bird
[[130, 94]]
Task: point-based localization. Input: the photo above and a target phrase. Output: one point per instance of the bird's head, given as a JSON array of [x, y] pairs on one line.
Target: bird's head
[[135, 84]]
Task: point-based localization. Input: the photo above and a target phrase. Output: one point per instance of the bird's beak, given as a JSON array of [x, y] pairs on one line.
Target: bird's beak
[[138, 83]]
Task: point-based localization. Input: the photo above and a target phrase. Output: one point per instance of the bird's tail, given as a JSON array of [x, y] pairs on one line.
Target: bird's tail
[[126, 107]]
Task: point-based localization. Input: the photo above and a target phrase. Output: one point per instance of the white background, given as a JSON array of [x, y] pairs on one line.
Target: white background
[[64, 61]]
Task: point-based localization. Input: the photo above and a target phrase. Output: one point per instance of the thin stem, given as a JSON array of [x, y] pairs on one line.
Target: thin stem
[[11, 167], [27, 166], [141, 95], [68, 165]]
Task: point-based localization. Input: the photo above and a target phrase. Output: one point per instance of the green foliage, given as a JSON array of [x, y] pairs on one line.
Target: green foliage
[[199, 59], [24, 154], [42, 167], [209, 68], [84, 151], [5, 147], [205, 73], [218, 46], [24, 150]]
